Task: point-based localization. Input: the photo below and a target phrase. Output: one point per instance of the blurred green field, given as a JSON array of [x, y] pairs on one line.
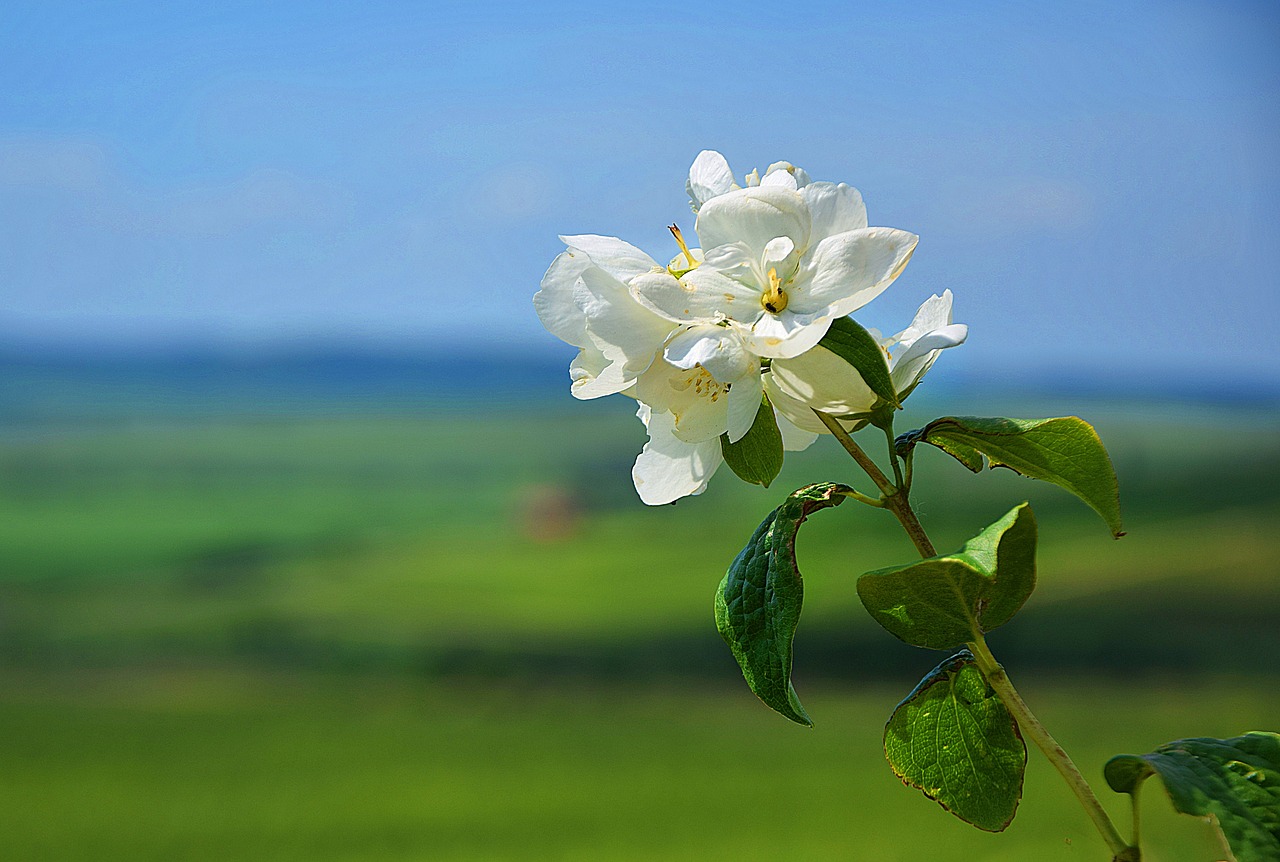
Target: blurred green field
[[457, 635], [213, 767]]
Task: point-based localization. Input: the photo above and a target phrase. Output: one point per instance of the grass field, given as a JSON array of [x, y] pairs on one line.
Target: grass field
[[214, 766], [454, 635]]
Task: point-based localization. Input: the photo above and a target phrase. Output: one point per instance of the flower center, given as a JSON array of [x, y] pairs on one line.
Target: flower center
[[704, 385], [775, 298]]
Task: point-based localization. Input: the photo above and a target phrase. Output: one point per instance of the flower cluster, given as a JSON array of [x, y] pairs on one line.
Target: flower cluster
[[733, 325]]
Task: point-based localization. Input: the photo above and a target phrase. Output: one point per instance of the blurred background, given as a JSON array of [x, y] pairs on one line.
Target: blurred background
[[307, 553]]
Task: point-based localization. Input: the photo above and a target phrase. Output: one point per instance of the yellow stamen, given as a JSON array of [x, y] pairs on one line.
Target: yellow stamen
[[775, 300], [675, 232]]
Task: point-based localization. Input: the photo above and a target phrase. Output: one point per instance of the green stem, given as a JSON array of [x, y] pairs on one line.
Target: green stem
[[893, 456], [864, 460], [896, 500], [901, 507], [862, 498], [1133, 800], [1031, 727]]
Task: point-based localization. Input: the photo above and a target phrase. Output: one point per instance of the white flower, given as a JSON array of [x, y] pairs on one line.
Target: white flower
[[702, 374], [821, 380], [779, 262], [784, 256], [695, 383], [585, 300]]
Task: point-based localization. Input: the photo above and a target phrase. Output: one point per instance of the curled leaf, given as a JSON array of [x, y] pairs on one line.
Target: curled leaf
[[758, 602]]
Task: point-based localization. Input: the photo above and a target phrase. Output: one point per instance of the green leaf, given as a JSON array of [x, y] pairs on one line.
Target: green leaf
[[1235, 780], [757, 457], [953, 739], [1065, 451], [948, 600], [847, 339], [758, 602]]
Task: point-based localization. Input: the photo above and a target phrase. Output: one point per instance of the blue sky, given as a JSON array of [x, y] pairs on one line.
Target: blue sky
[[1098, 183]]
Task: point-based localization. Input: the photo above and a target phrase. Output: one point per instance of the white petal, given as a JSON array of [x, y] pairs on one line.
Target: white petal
[[823, 381], [912, 363], [702, 296], [795, 410], [554, 302], [777, 249], [623, 328], [798, 413], [701, 419], [794, 438], [754, 216], [834, 209], [669, 468], [738, 262], [848, 270], [781, 336], [620, 259], [951, 335], [930, 331], [718, 349], [709, 176], [799, 178], [781, 178], [744, 403], [680, 262], [934, 313], [595, 375]]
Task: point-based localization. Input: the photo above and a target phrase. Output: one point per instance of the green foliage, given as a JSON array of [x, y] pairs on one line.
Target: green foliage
[[847, 339], [1065, 451], [953, 739], [757, 457], [1237, 781], [758, 602], [948, 600]]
